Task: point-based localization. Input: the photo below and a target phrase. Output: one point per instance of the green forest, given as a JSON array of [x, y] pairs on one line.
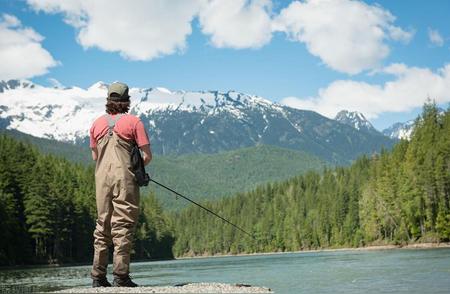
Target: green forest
[[394, 197], [47, 211], [398, 196]]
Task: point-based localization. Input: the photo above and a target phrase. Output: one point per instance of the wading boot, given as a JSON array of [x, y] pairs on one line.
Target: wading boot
[[103, 282], [123, 282]]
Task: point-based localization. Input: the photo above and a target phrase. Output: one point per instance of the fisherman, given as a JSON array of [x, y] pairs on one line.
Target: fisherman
[[112, 137]]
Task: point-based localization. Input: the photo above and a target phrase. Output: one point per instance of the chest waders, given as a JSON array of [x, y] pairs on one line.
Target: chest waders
[[117, 197]]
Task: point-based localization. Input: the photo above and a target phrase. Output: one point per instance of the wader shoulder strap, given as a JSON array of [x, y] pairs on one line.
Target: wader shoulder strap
[[112, 121]]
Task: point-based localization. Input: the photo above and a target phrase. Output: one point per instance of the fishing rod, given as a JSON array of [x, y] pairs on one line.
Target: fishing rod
[[201, 206]]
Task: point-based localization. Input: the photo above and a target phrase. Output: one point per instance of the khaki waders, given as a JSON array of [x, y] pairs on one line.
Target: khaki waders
[[117, 196]]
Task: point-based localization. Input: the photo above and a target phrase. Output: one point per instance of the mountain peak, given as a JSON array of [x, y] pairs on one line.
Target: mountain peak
[[404, 130], [99, 85], [400, 130], [350, 114], [354, 119]]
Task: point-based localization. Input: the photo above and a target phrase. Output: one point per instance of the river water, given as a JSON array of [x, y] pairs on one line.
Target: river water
[[380, 271]]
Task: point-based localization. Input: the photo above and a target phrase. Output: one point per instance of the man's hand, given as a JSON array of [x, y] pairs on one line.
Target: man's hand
[[146, 154], [94, 153]]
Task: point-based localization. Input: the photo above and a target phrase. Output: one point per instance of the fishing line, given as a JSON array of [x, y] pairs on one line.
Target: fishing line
[[201, 206]]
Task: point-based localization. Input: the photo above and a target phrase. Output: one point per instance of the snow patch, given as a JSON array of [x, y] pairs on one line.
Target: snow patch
[[163, 90]]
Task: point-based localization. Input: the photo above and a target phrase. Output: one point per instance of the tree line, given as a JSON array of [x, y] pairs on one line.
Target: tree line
[[48, 211], [394, 197]]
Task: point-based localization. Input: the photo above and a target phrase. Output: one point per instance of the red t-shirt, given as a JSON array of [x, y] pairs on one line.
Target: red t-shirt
[[128, 127]]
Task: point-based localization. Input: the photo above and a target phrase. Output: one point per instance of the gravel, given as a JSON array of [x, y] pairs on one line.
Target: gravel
[[182, 288]]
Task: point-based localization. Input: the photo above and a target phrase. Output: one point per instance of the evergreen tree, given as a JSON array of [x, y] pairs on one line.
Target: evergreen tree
[[48, 210]]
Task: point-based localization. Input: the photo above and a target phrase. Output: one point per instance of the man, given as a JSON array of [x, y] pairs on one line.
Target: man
[[117, 194]]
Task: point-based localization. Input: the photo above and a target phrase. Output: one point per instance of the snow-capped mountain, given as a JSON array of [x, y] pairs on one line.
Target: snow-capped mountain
[[354, 119], [185, 122], [60, 114], [400, 130], [404, 130]]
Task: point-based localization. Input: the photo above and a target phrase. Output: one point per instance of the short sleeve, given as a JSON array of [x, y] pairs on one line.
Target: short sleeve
[[92, 142], [140, 134]]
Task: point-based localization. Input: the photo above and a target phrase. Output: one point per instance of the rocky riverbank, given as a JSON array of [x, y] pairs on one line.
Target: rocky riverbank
[[182, 288]]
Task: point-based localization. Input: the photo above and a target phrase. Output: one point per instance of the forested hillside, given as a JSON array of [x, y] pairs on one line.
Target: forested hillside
[[398, 196], [74, 153], [213, 176], [47, 211], [202, 176]]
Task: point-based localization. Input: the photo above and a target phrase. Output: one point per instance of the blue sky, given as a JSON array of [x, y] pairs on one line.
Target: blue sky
[[301, 60]]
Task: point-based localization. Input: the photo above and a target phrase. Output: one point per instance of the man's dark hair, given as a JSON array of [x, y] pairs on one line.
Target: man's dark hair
[[113, 107]]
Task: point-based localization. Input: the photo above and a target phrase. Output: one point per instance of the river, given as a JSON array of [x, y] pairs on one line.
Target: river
[[374, 271]]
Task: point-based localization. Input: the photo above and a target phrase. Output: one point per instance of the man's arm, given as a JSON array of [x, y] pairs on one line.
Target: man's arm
[[147, 153], [142, 140], [94, 153]]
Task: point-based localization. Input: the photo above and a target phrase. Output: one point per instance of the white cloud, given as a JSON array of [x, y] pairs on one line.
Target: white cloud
[[409, 89], [435, 37], [21, 52], [237, 23], [147, 29], [348, 36], [138, 29]]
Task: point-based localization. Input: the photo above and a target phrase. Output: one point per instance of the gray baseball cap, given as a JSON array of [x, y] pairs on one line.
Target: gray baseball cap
[[118, 92]]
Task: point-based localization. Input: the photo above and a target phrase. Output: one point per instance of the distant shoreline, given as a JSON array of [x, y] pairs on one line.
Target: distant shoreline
[[366, 248]]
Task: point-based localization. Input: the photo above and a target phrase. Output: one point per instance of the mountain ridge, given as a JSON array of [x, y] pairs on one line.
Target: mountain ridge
[[183, 122]]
